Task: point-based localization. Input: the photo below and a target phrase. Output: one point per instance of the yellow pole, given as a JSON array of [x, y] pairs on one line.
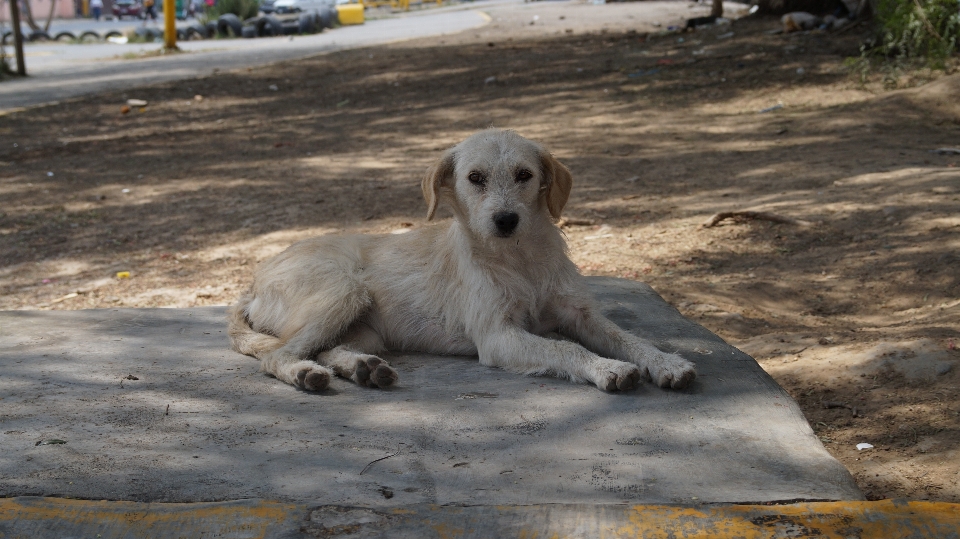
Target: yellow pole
[[169, 24]]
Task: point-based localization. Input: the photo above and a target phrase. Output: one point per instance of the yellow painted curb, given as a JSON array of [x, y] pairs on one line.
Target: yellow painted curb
[[30, 517]]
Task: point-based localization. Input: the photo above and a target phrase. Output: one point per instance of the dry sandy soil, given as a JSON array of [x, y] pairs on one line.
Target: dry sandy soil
[[859, 307]]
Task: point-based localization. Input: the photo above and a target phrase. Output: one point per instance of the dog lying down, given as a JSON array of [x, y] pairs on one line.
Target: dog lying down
[[494, 282]]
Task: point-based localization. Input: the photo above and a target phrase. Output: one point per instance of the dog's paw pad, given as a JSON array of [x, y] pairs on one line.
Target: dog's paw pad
[[374, 372], [623, 378], [313, 380], [384, 376], [676, 373]]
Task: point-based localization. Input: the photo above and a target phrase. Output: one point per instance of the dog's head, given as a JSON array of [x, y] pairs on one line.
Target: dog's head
[[498, 183]]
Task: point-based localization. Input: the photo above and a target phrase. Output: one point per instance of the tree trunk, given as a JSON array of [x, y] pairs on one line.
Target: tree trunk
[[53, 8], [717, 10]]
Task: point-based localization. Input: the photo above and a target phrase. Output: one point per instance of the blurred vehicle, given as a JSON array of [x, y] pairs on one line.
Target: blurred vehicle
[[127, 8], [301, 6], [266, 6]]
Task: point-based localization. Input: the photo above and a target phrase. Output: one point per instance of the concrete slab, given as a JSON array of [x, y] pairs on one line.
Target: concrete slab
[[154, 407]]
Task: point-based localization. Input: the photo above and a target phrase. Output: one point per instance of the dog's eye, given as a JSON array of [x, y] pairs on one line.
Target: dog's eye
[[476, 178], [524, 175]]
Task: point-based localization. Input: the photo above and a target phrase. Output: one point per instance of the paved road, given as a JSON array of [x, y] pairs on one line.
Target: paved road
[[59, 72]]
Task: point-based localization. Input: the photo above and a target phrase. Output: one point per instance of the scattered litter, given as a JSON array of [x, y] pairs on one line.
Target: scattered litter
[[800, 71], [753, 9], [699, 21], [198, 97], [489, 80], [50, 442], [800, 20], [123, 275], [136, 103], [124, 191], [778, 106], [47, 281], [862, 446], [381, 458], [273, 87], [478, 394], [946, 151], [49, 174], [118, 40], [725, 36]]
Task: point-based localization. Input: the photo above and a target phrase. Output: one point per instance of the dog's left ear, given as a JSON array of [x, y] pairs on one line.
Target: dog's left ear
[[439, 175], [557, 182]]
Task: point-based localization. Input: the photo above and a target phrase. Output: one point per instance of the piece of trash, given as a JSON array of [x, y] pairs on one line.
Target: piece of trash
[[136, 103], [725, 36], [753, 9], [800, 71], [489, 80], [124, 191], [47, 281], [273, 87], [946, 151], [642, 73], [632, 179], [800, 20], [778, 106], [50, 442], [123, 275], [198, 97], [479, 394], [49, 174], [124, 109], [862, 446], [118, 40]]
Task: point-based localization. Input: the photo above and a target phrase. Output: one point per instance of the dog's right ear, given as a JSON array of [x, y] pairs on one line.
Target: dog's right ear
[[439, 175]]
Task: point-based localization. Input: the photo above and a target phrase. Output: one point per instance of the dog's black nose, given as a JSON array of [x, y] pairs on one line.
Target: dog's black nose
[[506, 222]]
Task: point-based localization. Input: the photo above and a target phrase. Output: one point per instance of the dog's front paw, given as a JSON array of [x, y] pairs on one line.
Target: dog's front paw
[[375, 372], [671, 370], [619, 376]]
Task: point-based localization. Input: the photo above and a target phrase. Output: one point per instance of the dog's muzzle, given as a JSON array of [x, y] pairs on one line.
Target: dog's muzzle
[[506, 223]]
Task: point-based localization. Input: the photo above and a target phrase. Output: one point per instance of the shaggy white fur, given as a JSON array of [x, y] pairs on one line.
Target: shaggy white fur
[[494, 282]]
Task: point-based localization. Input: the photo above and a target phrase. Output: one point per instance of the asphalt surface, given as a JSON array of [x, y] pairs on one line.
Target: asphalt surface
[[61, 71]]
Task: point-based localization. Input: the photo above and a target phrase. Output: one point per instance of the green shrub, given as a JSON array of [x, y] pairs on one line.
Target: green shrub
[[244, 9], [918, 29]]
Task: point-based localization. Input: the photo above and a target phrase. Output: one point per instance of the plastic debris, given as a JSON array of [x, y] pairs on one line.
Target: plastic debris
[[273, 87], [136, 103], [862, 446], [778, 106], [123, 275], [49, 174], [946, 151], [800, 20], [489, 80], [118, 40]]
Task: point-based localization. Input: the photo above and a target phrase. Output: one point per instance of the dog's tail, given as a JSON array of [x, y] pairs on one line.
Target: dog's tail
[[243, 338]]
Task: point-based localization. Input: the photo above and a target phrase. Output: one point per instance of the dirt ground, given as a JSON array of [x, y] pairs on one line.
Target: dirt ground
[[855, 314]]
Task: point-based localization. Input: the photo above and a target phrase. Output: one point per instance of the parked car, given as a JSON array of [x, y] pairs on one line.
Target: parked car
[[301, 6], [266, 6], [127, 8]]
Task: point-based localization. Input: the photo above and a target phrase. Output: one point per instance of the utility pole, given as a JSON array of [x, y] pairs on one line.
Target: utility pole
[[17, 37], [169, 25]]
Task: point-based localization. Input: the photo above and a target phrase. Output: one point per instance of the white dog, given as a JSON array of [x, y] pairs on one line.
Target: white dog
[[495, 282]]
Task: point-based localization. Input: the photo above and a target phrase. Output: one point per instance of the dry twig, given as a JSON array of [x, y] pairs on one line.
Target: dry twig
[[381, 458], [757, 215], [573, 221]]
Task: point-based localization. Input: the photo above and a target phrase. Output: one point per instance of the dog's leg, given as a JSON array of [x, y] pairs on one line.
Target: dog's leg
[[289, 364], [597, 333], [517, 350], [354, 358]]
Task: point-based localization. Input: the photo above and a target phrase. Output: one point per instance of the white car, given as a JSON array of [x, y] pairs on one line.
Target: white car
[[301, 6]]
